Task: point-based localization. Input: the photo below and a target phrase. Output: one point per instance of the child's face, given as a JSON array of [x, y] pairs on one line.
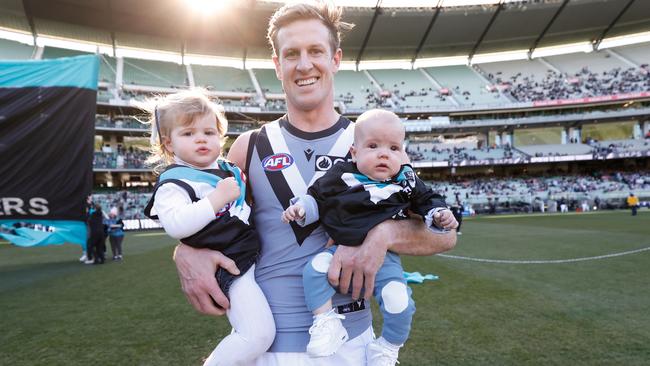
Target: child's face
[[378, 152], [197, 144]]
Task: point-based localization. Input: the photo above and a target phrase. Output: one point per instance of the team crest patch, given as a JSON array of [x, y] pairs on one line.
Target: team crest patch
[[277, 162], [325, 162]]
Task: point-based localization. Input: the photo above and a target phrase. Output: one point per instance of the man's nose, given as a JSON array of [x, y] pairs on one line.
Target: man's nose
[[304, 63]]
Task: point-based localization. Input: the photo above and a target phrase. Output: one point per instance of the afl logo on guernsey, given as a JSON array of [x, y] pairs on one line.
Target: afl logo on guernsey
[[277, 162]]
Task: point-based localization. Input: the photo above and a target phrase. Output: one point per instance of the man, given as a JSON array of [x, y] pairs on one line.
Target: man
[[282, 160], [633, 203]]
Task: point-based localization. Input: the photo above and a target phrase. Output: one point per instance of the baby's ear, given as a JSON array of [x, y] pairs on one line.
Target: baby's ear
[[353, 152]]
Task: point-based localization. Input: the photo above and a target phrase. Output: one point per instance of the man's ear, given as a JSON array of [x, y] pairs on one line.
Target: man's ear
[[336, 59], [278, 68], [353, 152]]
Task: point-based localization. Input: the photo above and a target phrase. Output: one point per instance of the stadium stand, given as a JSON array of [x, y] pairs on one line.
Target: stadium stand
[[10, 50], [268, 81], [465, 85], [222, 78], [154, 73], [410, 88], [353, 89], [636, 53]]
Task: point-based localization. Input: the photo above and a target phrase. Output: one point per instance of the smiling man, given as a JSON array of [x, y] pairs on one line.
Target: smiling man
[[281, 160]]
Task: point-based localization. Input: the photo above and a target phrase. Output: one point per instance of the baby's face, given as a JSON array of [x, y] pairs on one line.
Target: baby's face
[[378, 151]]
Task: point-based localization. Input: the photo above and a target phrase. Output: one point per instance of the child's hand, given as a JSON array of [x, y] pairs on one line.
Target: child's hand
[[445, 219], [228, 189], [293, 213]]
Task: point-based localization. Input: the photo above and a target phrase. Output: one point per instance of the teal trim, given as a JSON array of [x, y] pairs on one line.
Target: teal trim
[[77, 72], [191, 174], [399, 177], [65, 232]]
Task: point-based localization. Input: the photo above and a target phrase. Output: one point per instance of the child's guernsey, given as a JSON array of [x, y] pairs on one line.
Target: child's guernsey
[[231, 232]]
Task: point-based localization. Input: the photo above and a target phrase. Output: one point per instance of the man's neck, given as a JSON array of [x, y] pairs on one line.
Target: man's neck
[[314, 120]]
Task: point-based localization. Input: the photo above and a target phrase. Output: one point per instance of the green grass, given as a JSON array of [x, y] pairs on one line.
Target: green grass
[[55, 311]]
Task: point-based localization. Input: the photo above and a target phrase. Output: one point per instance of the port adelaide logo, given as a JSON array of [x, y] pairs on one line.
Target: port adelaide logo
[[325, 162], [277, 162]]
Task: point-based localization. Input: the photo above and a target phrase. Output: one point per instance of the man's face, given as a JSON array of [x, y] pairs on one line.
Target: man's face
[[305, 64]]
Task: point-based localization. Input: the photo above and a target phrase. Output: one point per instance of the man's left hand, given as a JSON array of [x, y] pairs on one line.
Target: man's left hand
[[359, 265]]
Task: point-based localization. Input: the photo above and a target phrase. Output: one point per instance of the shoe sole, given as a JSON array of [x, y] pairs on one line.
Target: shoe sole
[[336, 346]]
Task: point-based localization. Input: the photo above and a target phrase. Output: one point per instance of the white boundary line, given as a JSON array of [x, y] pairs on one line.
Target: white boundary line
[[551, 261]]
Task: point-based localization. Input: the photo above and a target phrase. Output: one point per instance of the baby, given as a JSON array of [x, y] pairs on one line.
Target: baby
[[350, 199]]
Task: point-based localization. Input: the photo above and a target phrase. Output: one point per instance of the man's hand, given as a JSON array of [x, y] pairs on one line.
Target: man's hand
[[359, 265], [196, 269], [445, 219]]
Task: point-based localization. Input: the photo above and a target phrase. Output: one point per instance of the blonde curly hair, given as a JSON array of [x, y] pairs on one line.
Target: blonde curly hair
[[173, 110]]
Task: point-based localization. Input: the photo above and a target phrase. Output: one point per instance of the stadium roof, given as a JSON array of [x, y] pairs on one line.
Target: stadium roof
[[382, 32]]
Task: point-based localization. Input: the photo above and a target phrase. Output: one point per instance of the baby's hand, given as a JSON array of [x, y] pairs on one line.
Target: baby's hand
[[445, 219], [228, 189], [293, 213]]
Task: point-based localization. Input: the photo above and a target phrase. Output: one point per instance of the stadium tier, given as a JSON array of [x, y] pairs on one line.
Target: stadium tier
[[222, 78]]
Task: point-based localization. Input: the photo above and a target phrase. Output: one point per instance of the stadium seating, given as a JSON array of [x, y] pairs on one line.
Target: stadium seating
[[268, 81], [353, 89], [11, 50], [154, 73], [465, 85], [636, 53], [410, 88], [222, 78]]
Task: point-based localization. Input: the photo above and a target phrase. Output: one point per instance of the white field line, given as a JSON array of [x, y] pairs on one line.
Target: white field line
[[549, 261]]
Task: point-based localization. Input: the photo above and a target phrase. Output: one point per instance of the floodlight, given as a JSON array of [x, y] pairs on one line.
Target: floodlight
[[485, 58], [440, 61], [42, 41], [385, 65], [145, 54], [585, 47], [214, 61], [15, 35], [625, 40]]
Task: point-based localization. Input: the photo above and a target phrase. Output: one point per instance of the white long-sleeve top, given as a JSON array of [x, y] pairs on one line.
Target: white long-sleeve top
[[179, 216]]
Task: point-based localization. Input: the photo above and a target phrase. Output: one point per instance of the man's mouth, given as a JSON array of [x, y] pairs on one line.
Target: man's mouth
[[305, 82]]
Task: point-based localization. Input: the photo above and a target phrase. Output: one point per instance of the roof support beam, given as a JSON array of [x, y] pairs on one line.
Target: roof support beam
[[426, 32], [372, 25], [548, 26], [485, 31], [30, 18], [611, 25]]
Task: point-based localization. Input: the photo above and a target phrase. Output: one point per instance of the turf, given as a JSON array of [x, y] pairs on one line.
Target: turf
[[55, 311]]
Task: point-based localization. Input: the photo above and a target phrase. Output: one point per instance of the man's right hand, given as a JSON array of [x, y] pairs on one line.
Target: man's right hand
[[196, 269]]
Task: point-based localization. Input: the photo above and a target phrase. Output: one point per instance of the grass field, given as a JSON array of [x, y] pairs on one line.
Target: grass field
[[55, 311]]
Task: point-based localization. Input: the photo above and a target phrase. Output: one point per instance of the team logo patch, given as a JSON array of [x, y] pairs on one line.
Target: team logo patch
[[325, 162], [277, 162]]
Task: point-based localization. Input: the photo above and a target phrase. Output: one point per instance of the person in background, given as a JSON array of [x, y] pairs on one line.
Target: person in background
[[97, 241], [633, 203], [115, 233], [87, 256]]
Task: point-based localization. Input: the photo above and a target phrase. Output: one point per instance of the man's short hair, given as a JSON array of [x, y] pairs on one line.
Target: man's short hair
[[325, 11]]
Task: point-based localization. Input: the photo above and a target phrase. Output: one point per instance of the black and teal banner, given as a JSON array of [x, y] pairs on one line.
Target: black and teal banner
[[47, 128]]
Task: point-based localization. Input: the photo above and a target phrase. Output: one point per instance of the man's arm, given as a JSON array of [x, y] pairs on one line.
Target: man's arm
[[359, 265], [196, 267]]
